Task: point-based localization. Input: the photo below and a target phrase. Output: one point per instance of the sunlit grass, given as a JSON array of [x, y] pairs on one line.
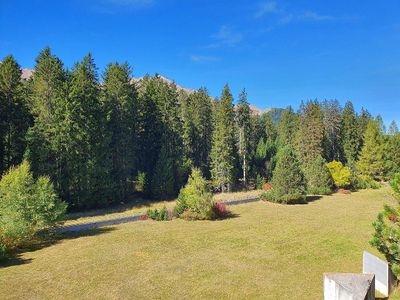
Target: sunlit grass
[[267, 251]]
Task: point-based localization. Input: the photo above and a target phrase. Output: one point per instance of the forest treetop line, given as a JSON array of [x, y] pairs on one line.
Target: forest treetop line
[[101, 141]]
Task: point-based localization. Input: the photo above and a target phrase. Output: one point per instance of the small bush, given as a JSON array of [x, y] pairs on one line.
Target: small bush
[[2, 251], [293, 198], [26, 206], [363, 182], [319, 179], [221, 210], [140, 182], [159, 215], [341, 175], [195, 199]]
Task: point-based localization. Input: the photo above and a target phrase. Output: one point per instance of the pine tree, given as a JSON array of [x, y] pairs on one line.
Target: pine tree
[[223, 143], [392, 156], [88, 163], [119, 101], [363, 120], [14, 115], [46, 138], [350, 134], [288, 181], [332, 130], [371, 163], [310, 132], [244, 133], [287, 128]]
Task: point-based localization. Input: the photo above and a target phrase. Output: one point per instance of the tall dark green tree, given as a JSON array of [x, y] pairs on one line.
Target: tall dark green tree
[[287, 128], [371, 162], [46, 138], [223, 143], [310, 132], [119, 101], [393, 129], [197, 128], [243, 120], [88, 163], [392, 154], [350, 134], [332, 130], [14, 115]]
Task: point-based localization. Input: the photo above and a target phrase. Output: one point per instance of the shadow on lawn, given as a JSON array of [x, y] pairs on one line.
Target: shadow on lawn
[[118, 208], [44, 241]]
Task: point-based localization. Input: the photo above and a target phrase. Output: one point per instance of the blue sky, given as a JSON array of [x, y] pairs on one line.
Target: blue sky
[[282, 52]]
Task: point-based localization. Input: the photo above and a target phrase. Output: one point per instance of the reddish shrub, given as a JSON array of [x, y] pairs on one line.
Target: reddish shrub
[[267, 186], [344, 192], [144, 217], [392, 218], [221, 210]]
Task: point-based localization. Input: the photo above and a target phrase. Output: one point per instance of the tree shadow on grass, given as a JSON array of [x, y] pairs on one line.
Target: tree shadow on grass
[[229, 216], [46, 240]]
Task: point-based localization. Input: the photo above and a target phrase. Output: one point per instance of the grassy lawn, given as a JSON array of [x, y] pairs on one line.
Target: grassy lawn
[[141, 206], [266, 251]]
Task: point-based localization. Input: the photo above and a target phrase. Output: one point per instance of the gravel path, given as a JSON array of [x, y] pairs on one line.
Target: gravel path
[[134, 218]]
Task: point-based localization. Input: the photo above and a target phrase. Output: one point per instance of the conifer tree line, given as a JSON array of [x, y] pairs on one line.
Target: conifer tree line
[[99, 137]]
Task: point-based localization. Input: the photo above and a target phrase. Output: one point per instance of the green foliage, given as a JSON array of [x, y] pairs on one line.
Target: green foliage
[[395, 184], [14, 115], [159, 215], [310, 132], [341, 174], [140, 182], [332, 117], [386, 237], [288, 181], [119, 102], [319, 179], [371, 162], [391, 155], [195, 198], [162, 184], [26, 205], [365, 182], [350, 133], [287, 128], [223, 151]]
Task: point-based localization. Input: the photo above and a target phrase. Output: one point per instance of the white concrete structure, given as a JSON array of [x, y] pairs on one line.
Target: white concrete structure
[[349, 286], [384, 279]]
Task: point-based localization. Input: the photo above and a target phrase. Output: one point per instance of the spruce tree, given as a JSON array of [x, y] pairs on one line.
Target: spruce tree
[[332, 130], [287, 128], [46, 138], [163, 180], [243, 121], [119, 101], [14, 115], [350, 134], [87, 162], [371, 163], [310, 133], [223, 143], [288, 181], [197, 129], [392, 156]]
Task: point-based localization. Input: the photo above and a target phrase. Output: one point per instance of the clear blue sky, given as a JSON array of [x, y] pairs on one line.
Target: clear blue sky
[[280, 51]]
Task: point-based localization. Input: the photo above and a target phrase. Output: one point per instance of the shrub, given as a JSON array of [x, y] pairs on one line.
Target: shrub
[[364, 182], [196, 198], [2, 251], [319, 179], [395, 184], [221, 210], [386, 237], [140, 182], [288, 182], [26, 205], [159, 215], [341, 175]]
